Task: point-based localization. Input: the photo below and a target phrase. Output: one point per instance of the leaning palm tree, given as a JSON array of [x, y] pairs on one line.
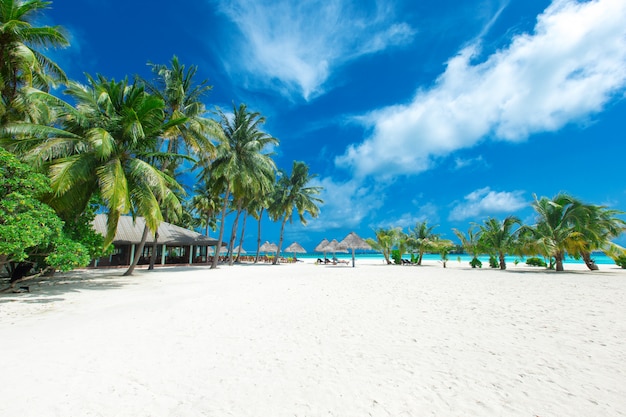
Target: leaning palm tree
[[499, 238], [242, 163], [384, 242], [293, 193], [108, 142], [22, 65], [597, 230]]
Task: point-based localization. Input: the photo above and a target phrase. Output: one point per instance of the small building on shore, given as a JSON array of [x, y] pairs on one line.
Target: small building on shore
[[175, 245]]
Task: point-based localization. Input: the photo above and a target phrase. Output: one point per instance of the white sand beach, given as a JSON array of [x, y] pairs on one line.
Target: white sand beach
[[313, 340]]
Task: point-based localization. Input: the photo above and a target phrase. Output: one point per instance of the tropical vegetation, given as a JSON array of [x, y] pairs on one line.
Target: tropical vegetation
[[120, 147]]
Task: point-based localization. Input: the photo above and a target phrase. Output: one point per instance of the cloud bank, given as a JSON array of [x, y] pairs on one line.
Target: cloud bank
[[571, 66], [294, 46]]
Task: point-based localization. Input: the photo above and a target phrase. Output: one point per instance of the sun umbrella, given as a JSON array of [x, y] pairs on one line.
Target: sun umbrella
[[321, 247], [334, 246], [354, 241], [236, 250], [268, 247], [295, 247]]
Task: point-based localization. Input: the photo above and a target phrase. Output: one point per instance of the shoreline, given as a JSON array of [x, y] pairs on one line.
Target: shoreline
[[318, 340]]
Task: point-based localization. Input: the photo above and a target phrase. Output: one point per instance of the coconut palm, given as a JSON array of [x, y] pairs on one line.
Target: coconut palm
[[109, 140], [293, 193], [21, 63], [242, 162], [421, 238], [175, 85], [499, 238], [384, 242], [470, 243], [597, 229]]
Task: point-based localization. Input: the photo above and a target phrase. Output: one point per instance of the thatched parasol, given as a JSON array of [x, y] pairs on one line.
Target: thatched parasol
[[268, 247], [354, 241], [334, 246], [236, 250], [295, 247], [321, 247]]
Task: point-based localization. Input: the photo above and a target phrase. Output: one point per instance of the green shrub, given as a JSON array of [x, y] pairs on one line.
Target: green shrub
[[475, 262], [621, 261], [493, 262], [534, 261], [396, 256]]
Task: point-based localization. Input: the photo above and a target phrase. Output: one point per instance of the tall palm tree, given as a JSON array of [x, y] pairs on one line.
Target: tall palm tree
[[175, 85], [422, 237], [293, 193], [109, 139], [242, 163], [499, 238], [21, 63]]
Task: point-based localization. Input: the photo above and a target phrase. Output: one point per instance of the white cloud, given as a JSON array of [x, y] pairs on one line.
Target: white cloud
[[425, 212], [567, 69], [295, 45], [346, 204], [485, 201]]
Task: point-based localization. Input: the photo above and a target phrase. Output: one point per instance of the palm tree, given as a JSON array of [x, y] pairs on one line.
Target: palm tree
[[597, 229], [565, 225], [108, 142], [499, 238], [21, 65], [470, 243], [384, 242], [175, 85], [241, 163], [421, 238], [293, 192]]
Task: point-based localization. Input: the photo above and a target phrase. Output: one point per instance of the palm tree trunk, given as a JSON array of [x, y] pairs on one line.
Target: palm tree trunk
[[419, 258], [233, 234], [138, 252], [154, 251], [559, 261], [243, 228], [221, 236], [589, 262], [502, 261], [280, 241], [258, 240]]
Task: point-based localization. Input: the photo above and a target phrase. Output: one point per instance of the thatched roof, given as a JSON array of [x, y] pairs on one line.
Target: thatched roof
[[295, 247], [334, 246], [321, 247], [354, 241], [268, 247], [129, 232]]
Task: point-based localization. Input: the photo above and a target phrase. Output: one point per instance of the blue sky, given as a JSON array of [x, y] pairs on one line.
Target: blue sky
[[408, 111]]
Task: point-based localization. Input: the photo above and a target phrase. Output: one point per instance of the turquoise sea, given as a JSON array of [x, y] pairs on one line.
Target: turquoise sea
[[600, 259]]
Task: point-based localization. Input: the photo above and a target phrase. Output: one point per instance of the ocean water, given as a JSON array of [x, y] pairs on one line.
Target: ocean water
[[600, 259]]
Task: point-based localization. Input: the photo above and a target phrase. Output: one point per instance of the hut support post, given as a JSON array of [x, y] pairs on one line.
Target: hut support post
[[163, 255], [190, 254]]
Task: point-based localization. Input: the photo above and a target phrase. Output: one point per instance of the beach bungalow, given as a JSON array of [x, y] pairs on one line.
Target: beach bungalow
[[175, 245]]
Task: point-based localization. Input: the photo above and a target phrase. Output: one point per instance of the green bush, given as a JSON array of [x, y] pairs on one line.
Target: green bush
[[621, 261], [534, 261], [475, 262], [493, 262], [396, 256]]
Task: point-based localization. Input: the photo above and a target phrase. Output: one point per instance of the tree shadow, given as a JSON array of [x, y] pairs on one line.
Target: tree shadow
[[48, 289]]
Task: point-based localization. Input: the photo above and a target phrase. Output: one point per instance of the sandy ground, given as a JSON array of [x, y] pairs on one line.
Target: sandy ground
[[313, 340]]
